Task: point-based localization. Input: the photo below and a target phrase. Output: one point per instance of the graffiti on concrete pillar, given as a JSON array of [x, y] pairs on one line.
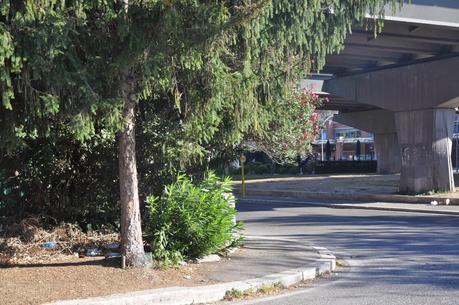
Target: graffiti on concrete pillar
[[413, 154], [406, 155]]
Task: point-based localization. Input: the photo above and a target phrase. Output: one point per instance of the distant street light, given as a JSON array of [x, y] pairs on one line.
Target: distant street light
[[455, 137], [322, 137]]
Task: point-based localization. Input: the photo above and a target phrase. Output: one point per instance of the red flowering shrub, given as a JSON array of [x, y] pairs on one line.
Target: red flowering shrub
[[292, 129]]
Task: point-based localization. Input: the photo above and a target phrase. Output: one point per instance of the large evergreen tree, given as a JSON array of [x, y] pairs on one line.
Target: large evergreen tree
[[223, 65]]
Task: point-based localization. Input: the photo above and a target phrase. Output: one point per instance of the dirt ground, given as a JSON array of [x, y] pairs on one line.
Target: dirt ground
[[39, 265], [339, 183], [90, 277]]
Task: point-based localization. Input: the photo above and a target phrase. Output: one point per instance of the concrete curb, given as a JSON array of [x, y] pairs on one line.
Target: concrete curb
[[212, 293], [348, 196], [396, 209], [359, 206]]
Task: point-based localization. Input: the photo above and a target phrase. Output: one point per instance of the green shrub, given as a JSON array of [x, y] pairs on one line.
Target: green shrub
[[287, 169], [310, 167], [191, 220], [257, 168], [262, 169]]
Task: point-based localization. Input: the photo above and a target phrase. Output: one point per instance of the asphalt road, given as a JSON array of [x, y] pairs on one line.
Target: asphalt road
[[395, 257]]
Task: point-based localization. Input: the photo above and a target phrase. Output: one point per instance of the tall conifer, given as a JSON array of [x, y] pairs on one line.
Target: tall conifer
[[223, 64]]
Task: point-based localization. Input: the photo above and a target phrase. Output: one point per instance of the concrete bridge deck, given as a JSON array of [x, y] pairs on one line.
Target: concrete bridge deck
[[402, 86]]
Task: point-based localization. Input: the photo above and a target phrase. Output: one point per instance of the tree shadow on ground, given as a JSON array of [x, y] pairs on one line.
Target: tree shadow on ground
[[113, 262], [396, 248]]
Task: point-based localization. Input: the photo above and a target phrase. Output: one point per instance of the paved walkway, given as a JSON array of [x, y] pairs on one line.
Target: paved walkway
[[353, 188], [263, 256], [370, 184]]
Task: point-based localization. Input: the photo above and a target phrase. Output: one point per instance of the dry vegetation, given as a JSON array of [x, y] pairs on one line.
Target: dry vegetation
[[23, 243]]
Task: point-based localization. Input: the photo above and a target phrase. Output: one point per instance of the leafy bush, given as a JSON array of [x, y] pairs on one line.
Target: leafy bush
[[287, 169], [310, 167], [191, 220], [254, 168], [64, 180], [258, 168]]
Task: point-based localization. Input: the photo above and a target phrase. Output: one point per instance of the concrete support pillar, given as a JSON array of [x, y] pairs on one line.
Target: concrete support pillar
[[387, 153], [425, 143]]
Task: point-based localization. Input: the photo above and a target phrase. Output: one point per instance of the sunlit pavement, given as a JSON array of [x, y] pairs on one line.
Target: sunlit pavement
[[395, 257]]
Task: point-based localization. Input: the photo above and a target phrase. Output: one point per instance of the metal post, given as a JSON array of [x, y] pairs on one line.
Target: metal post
[[457, 152], [242, 159], [322, 144]]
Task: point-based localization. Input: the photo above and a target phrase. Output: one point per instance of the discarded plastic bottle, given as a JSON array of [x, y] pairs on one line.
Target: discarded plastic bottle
[[49, 245]]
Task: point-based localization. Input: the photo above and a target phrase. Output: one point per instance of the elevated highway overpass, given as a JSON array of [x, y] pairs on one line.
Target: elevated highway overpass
[[403, 86]]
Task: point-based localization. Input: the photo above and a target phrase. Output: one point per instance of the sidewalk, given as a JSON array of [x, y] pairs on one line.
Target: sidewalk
[[261, 262], [355, 188], [261, 256], [339, 183]]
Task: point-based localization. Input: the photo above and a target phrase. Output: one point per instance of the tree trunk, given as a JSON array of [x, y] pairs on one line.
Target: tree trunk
[[131, 230]]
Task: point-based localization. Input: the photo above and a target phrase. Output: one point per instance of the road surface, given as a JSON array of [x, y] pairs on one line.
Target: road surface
[[395, 257]]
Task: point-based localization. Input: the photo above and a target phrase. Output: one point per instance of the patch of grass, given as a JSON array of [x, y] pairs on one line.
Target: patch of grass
[[324, 274], [235, 294], [342, 263], [269, 289]]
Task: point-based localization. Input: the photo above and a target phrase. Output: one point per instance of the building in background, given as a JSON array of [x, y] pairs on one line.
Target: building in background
[[343, 142]]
